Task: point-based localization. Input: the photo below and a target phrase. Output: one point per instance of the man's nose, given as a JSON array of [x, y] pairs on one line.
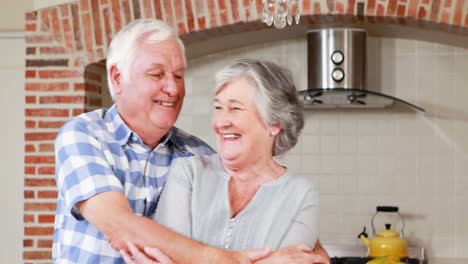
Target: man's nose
[[170, 86]]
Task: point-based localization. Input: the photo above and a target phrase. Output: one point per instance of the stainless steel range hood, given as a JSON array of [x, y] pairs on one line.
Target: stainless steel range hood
[[337, 72]]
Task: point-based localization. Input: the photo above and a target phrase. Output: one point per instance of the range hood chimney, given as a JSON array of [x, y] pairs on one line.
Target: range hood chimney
[[337, 72]]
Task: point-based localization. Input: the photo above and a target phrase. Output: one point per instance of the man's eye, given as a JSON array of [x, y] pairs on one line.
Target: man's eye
[[217, 107], [236, 108], [157, 75], [179, 77]]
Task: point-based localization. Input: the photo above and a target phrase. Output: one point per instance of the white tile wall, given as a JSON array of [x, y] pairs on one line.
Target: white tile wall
[[359, 159]]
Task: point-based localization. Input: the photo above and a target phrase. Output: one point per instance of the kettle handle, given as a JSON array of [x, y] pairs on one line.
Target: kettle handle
[[388, 209]]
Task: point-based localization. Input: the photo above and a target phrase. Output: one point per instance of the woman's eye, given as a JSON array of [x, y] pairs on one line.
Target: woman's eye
[[217, 107]]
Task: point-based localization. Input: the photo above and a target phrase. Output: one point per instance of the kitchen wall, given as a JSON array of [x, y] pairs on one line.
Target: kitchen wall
[[361, 159], [38, 4], [12, 14], [12, 48]]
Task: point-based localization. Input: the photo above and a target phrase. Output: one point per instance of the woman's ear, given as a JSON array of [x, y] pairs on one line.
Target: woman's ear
[[116, 78], [274, 130]]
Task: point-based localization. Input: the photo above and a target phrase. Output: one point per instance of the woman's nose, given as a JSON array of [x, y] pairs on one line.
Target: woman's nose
[[221, 120]]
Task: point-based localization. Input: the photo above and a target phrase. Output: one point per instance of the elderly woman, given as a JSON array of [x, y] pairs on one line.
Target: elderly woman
[[243, 198]]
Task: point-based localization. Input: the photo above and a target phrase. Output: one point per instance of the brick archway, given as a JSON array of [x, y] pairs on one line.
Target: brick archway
[[66, 43]]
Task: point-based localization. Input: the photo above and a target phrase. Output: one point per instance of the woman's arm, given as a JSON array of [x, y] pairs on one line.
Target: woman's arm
[[299, 254], [305, 225], [301, 236], [174, 207], [319, 250]]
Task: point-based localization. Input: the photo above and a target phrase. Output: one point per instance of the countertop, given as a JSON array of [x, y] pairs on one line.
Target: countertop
[[447, 261], [360, 251]]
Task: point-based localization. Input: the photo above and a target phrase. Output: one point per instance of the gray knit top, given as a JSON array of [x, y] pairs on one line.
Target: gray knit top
[[195, 203]]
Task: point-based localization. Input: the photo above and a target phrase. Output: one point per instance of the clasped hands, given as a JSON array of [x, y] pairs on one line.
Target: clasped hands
[[299, 254]]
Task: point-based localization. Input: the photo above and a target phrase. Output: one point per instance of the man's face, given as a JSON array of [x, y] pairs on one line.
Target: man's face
[[151, 98]]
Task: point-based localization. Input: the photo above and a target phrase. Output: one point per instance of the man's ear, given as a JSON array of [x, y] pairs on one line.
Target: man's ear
[[115, 78]]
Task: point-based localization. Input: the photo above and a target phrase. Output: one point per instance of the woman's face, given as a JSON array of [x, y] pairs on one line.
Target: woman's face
[[241, 135]]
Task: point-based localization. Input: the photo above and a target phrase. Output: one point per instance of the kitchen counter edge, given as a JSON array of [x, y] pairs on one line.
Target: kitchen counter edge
[[447, 260]]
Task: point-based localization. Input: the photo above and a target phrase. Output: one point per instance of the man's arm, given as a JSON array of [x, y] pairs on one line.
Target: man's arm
[[91, 191], [111, 214], [299, 254]]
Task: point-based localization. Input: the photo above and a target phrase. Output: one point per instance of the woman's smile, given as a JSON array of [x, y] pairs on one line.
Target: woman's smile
[[231, 136]]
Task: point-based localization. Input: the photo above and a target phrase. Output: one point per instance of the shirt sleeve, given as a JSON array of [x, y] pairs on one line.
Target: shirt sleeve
[[304, 227], [82, 169], [174, 207]]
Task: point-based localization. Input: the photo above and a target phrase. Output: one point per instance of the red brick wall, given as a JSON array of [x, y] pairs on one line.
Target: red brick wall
[[64, 72]]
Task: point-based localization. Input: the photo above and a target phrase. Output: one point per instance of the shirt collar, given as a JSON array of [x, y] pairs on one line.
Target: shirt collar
[[174, 136], [117, 126], [167, 138]]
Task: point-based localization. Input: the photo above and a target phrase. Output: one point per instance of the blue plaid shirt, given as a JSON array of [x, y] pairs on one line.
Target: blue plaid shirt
[[97, 152]]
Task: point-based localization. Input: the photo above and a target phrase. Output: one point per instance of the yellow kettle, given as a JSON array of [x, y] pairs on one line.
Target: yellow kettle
[[386, 242]]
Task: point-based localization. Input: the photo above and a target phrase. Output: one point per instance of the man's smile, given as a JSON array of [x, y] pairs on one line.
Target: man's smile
[[163, 103]]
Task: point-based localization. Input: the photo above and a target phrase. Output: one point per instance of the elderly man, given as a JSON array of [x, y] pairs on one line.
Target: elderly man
[[112, 164]]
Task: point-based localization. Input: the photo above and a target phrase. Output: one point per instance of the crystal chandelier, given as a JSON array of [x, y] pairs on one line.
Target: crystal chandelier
[[280, 12]]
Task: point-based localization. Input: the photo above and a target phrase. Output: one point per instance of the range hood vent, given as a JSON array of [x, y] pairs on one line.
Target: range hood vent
[[337, 72]]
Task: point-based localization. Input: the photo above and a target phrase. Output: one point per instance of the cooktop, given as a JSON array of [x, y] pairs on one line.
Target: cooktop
[[364, 260]]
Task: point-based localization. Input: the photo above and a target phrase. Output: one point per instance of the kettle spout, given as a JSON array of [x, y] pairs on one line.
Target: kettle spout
[[364, 237], [365, 240]]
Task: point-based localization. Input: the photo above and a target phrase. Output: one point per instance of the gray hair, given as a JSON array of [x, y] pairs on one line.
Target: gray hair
[[124, 44], [275, 95]]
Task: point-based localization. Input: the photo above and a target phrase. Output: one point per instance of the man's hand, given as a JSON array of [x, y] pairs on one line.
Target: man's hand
[[145, 256], [296, 254]]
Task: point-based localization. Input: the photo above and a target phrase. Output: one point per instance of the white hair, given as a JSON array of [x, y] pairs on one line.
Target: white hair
[[124, 44], [275, 96]]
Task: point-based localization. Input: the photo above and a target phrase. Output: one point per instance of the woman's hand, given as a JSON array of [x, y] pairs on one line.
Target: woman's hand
[[295, 254], [145, 256]]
